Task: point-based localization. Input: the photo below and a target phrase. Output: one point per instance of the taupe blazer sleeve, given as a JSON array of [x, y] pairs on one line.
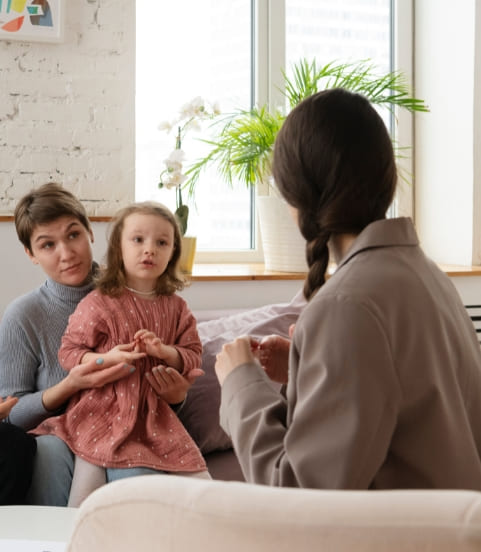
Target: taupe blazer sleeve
[[335, 428]]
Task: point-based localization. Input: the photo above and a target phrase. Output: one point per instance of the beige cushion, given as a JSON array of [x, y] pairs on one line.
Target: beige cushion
[[172, 513]]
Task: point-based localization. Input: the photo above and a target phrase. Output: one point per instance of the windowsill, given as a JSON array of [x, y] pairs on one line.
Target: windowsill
[[455, 270], [211, 272]]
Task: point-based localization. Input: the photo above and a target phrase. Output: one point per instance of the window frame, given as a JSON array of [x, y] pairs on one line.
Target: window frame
[[269, 56], [402, 59]]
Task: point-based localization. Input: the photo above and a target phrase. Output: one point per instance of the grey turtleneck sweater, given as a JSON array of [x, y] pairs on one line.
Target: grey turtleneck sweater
[[30, 333]]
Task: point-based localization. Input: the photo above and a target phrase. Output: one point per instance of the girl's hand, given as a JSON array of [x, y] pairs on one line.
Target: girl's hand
[[170, 385], [149, 343], [233, 354], [6, 406], [126, 354], [273, 354]]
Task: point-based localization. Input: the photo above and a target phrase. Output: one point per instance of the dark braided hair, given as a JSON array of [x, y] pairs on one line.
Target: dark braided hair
[[334, 163]]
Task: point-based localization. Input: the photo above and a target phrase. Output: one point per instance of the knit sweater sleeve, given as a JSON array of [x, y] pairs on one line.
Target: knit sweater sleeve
[[22, 366]]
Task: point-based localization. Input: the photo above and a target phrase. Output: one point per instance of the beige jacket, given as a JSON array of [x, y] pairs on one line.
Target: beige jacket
[[384, 381]]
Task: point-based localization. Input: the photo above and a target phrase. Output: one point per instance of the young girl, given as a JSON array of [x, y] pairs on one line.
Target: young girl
[[134, 316]]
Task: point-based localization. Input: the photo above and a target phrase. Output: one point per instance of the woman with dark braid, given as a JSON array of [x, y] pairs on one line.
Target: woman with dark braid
[[383, 373]]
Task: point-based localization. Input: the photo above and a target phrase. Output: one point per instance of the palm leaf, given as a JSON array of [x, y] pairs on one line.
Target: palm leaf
[[245, 138]]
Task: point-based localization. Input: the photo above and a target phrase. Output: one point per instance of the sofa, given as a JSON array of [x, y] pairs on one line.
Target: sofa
[[200, 412], [177, 514]]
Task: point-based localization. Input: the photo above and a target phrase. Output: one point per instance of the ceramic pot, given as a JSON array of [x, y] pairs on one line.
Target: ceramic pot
[[283, 244], [187, 255]]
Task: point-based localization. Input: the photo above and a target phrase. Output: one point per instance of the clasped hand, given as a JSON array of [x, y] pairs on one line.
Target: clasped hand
[[144, 343], [147, 342], [271, 352]]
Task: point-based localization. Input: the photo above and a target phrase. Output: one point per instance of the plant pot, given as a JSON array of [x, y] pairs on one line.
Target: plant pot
[[283, 244], [187, 255]]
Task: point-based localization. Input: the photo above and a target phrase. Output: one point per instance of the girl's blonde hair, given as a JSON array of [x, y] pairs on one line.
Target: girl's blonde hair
[[112, 280]]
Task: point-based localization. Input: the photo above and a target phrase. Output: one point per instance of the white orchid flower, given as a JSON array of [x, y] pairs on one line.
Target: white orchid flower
[[195, 108], [173, 179], [216, 109], [165, 125], [189, 118], [175, 160]]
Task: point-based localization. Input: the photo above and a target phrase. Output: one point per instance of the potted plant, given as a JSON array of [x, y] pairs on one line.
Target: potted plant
[[189, 117], [243, 143]]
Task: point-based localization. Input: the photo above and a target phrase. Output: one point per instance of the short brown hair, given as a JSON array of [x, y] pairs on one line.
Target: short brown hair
[[111, 280], [44, 205]]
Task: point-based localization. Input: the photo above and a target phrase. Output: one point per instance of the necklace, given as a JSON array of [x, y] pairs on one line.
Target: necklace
[[152, 292]]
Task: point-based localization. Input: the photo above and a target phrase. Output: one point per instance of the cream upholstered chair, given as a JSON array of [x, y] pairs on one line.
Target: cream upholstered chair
[[169, 513]]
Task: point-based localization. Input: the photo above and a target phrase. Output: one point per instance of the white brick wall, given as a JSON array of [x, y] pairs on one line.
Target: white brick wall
[[67, 110]]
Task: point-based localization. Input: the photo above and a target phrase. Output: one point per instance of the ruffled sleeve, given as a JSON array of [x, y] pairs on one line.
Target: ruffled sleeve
[[86, 331], [187, 341]]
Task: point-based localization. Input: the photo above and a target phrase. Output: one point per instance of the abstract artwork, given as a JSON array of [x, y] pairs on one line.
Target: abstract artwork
[[32, 20]]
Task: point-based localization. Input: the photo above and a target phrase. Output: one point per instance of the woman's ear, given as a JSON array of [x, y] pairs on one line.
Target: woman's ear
[[30, 255]]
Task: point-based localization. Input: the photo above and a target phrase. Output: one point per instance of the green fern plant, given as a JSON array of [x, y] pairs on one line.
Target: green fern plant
[[242, 148]]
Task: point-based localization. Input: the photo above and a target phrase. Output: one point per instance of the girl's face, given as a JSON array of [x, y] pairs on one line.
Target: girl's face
[[147, 245], [63, 249]]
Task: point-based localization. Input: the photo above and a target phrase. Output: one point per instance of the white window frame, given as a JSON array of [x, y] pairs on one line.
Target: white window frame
[[269, 56], [403, 60]]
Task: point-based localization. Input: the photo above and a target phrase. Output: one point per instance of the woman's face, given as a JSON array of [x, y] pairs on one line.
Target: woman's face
[[63, 249]]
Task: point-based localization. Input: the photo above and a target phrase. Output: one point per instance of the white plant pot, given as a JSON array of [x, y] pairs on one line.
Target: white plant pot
[[283, 244]]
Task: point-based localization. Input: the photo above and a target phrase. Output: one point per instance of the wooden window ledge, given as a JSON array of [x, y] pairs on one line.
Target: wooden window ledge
[[211, 272]]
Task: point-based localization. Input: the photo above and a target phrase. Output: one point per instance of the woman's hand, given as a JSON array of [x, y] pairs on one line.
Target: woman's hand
[[272, 352], [97, 373], [87, 375], [6, 406], [233, 354], [170, 385]]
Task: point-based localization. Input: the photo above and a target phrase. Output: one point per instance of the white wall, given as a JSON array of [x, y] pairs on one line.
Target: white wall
[[447, 74], [67, 110]]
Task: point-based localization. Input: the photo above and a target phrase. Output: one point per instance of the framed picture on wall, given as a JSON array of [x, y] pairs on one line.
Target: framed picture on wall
[[32, 20]]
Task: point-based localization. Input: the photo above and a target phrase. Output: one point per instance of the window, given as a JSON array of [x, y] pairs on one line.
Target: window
[[232, 52], [185, 49]]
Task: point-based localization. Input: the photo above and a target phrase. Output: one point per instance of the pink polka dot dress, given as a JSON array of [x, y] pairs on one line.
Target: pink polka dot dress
[[125, 424]]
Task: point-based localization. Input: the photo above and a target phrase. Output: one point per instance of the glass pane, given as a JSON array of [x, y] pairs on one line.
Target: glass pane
[[185, 49], [339, 31], [333, 30]]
